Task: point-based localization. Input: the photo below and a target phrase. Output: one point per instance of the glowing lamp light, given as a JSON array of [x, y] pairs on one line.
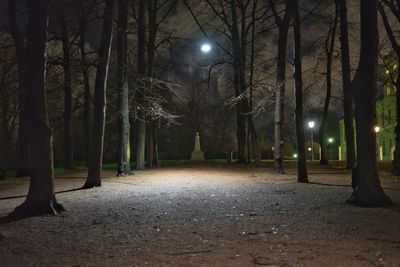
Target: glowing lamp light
[[387, 72], [311, 124], [394, 67], [295, 155], [330, 140], [309, 149], [377, 129], [205, 48]]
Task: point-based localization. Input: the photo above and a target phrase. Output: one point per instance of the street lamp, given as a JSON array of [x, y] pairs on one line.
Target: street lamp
[[311, 125], [377, 129], [205, 48], [295, 155], [330, 141]]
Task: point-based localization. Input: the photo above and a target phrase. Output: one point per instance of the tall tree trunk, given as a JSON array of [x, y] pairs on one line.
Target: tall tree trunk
[[86, 83], [367, 187], [123, 94], [151, 49], [251, 126], [346, 79], [41, 198], [94, 175], [150, 145], [329, 47], [239, 84], [20, 40], [67, 145], [155, 146], [279, 117], [140, 121], [302, 175]]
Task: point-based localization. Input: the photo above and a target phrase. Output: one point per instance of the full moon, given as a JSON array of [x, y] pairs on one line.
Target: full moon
[[205, 48]]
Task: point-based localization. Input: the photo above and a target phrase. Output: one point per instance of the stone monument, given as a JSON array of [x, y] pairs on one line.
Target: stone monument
[[197, 154]]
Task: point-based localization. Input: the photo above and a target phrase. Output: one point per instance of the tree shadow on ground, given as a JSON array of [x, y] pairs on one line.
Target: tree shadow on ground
[[58, 192], [347, 185]]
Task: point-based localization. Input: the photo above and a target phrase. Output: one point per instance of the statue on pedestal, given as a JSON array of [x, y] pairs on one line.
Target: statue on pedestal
[[197, 154]]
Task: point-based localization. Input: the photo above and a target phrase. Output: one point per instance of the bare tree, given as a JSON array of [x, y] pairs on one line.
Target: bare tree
[[329, 50], [123, 94], [346, 80], [283, 28], [41, 198], [141, 61], [94, 175], [299, 118], [366, 183], [85, 75]]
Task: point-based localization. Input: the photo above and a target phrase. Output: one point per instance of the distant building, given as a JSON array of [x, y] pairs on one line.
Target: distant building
[[385, 114]]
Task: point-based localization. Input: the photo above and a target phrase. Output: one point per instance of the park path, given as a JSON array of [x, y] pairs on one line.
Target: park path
[[199, 215]]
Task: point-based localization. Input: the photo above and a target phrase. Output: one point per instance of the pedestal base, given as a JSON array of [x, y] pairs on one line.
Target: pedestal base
[[197, 155]]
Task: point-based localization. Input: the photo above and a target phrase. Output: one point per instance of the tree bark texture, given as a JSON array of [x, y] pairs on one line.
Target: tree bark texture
[[140, 121], [95, 169], [123, 93], [279, 114], [366, 183], [302, 175], [41, 198], [346, 80]]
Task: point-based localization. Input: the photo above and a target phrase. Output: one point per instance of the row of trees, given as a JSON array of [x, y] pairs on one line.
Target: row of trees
[[35, 155], [241, 19], [244, 26]]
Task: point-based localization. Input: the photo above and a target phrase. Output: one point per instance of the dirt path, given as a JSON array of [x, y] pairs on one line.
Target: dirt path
[[204, 216]]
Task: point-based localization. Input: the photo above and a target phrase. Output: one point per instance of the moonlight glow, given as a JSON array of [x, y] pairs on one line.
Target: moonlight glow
[[205, 48]]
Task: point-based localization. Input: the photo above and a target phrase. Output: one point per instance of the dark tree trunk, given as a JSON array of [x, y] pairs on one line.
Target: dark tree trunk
[[302, 176], [151, 49], [279, 118], [68, 149], [94, 175], [150, 145], [155, 146], [395, 9], [41, 198], [123, 94], [346, 79], [239, 84], [366, 183], [140, 121], [19, 40], [329, 48], [251, 126], [86, 84], [254, 141]]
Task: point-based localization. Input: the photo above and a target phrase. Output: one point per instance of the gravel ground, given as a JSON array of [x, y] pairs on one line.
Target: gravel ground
[[204, 216]]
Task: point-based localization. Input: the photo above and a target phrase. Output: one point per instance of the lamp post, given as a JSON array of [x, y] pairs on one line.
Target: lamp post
[[377, 129], [311, 125], [330, 141]]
